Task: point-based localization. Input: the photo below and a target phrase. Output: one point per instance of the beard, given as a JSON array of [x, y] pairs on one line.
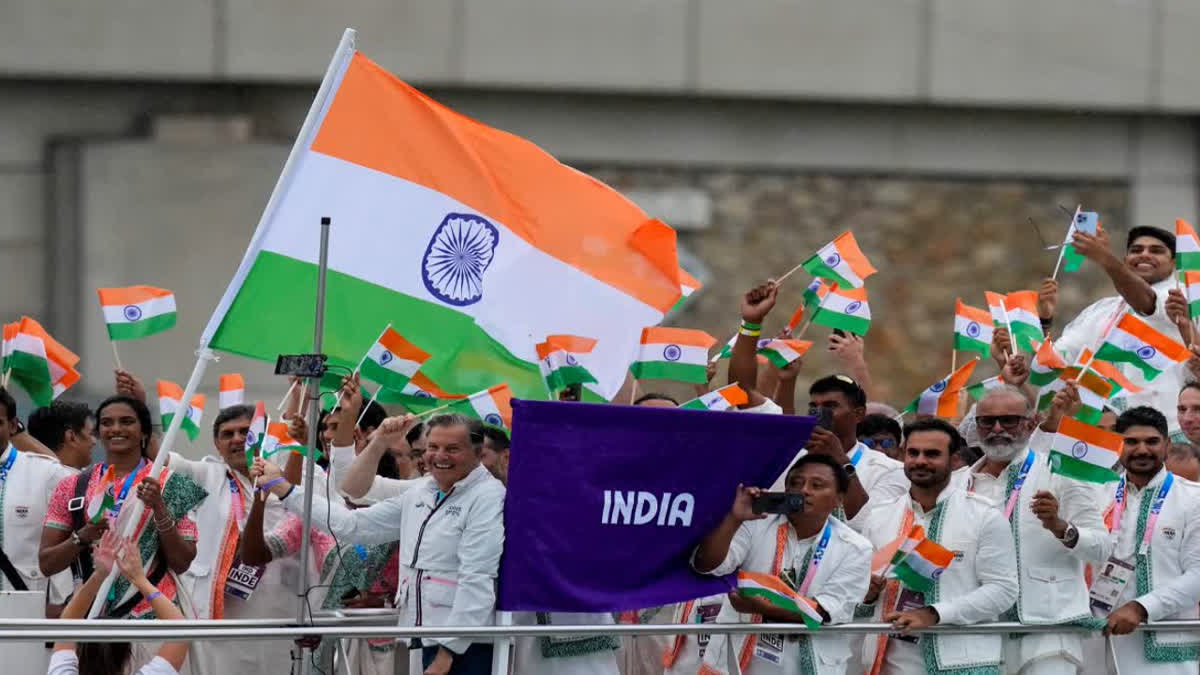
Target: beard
[[1003, 446]]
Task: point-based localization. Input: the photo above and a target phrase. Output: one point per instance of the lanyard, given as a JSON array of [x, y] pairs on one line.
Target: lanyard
[[857, 456], [817, 556], [1016, 491], [1118, 508], [239, 502], [1155, 509], [8, 464], [119, 499]]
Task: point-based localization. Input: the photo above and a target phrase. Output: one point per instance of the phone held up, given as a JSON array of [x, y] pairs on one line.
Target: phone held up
[[778, 502], [825, 418]]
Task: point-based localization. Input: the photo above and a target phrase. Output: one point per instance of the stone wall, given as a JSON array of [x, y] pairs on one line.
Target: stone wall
[[931, 239]]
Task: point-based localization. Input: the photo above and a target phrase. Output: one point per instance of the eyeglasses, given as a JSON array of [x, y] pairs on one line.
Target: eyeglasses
[[1007, 421], [879, 444]]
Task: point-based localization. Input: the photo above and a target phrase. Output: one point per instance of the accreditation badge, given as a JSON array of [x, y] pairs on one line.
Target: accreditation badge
[[1108, 585], [243, 579]]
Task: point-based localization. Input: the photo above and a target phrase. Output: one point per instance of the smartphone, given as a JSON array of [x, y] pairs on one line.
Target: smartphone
[[301, 365], [1087, 221], [571, 393], [825, 418], [778, 502]]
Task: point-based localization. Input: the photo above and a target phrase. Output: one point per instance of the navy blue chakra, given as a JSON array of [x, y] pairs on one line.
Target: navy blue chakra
[[1146, 352], [132, 312], [938, 387], [494, 420], [973, 330], [385, 358], [672, 352], [458, 254]]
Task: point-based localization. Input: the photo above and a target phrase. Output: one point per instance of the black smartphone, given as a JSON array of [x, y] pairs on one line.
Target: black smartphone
[[301, 365], [571, 393], [825, 418], [778, 502]]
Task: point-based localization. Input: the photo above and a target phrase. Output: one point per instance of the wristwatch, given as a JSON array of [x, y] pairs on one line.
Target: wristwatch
[[851, 472], [76, 540], [1070, 535]]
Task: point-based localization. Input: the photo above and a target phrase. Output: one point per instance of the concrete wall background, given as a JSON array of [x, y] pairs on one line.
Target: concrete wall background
[[1064, 97]]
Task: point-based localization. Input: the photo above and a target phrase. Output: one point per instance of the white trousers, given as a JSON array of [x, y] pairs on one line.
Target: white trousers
[[1044, 654]]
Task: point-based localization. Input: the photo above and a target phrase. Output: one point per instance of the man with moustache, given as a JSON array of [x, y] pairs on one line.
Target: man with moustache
[[1155, 565], [978, 586], [1056, 526]]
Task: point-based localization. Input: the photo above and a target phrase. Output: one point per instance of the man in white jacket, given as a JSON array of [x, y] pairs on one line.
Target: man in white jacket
[[451, 532], [1056, 527], [978, 586], [815, 553], [1155, 566]]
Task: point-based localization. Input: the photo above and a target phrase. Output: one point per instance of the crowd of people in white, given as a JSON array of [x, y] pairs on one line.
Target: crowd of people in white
[[408, 513]]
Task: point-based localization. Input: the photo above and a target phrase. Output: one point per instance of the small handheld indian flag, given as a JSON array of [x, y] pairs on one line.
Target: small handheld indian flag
[[1187, 247], [421, 394], [170, 402], [1046, 364], [233, 390], [392, 360], [1191, 281], [39, 364], [972, 329], [137, 311], [920, 568], [772, 589], [841, 261], [673, 354], [782, 352], [560, 358], [1084, 220], [726, 398], [278, 440], [257, 435], [1134, 341], [1018, 312], [1093, 389], [1084, 452], [1121, 385], [941, 398], [846, 309], [493, 406]]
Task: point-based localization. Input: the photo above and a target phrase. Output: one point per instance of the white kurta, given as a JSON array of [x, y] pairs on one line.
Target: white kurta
[[685, 652], [24, 496], [1177, 534], [530, 661]]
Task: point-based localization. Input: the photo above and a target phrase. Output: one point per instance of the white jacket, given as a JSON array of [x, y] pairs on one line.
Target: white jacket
[[24, 497], [449, 551], [1174, 582], [340, 461], [977, 587], [1053, 589], [839, 585]]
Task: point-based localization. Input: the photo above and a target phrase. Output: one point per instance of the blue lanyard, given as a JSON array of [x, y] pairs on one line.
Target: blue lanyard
[[857, 455], [8, 464], [1021, 476], [119, 500], [817, 556], [1155, 508]]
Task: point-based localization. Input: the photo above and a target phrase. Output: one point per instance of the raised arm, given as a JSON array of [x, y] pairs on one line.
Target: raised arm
[[723, 549], [377, 524], [1136, 291], [850, 350], [130, 563], [743, 364], [362, 472]]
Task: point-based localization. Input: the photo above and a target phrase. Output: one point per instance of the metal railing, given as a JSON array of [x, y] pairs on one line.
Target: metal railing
[[383, 625]]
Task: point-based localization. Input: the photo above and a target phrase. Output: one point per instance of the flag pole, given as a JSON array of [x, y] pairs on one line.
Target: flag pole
[[953, 359], [1062, 250], [116, 356], [1112, 322], [204, 355], [310, 463], [789, 273], [363, 414], [287, 395]]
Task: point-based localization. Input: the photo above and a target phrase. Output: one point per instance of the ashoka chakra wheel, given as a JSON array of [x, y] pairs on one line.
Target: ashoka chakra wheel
[[459, 253]]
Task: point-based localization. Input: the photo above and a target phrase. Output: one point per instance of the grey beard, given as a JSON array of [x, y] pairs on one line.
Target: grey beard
[[1002, 451]]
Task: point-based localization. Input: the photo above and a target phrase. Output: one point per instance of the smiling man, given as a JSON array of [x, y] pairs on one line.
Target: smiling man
[[451, 531], [979, 585], [1154, 571], [1143, 280]]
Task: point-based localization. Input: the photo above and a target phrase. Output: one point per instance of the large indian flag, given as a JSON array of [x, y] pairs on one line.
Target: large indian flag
[[1084, 452], [1134, 341], [468, 238]]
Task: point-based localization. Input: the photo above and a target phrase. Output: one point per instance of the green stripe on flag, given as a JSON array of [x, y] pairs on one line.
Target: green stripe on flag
[[965, 344], [380, 375], [141, 329], [1194, 309], [1072, 261], [776, 359], [568, 375], [40, 391], [911, 578], [1110, 352], [188, 426], [665, 370], [782, 602], [1089, 415], [1066, 465], [32, 366], [1187, 261], [1024, 333], [817, 267], [834, 319], [465, 358]]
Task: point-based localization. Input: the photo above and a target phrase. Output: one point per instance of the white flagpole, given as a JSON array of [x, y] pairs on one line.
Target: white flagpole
[[1062, 250], [204, 356]]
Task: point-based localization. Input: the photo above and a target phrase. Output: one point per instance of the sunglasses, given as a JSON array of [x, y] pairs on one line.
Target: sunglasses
[[879, 444], [1006, 421]]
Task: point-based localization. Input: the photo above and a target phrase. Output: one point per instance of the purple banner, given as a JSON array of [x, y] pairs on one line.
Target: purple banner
[[606, 502]]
